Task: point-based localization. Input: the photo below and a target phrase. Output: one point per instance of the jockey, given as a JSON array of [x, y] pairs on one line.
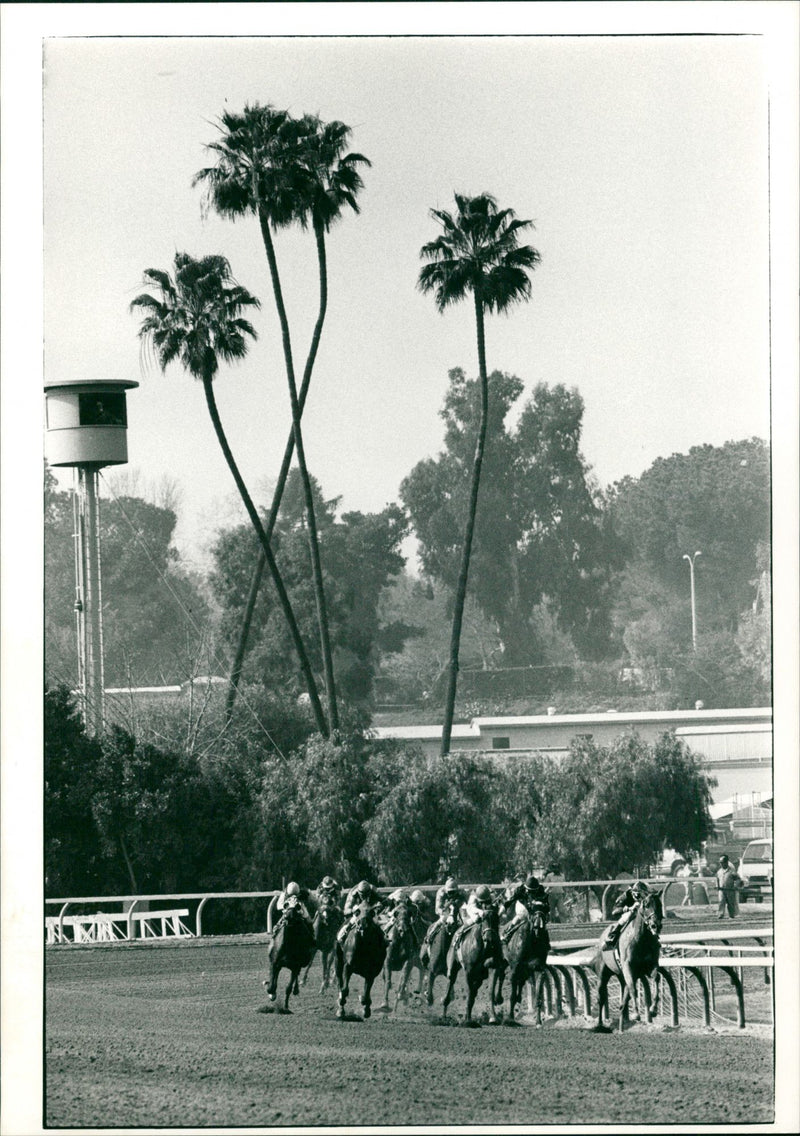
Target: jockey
[[398, 897], [420, 902], [476, 906], [529, 899], [295, 896], [329, 889], [362, 893], [448, 894], [479, 902], [624, 907]]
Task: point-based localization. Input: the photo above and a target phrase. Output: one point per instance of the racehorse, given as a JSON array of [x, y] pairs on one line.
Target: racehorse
[[291, 948], [362, 952], [402, 951], [524, 957], [327, 921], [634, 957], [471, 952], [433, 952]]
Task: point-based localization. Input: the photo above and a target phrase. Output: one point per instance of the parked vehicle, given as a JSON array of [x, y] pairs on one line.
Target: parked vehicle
[[756, 870]]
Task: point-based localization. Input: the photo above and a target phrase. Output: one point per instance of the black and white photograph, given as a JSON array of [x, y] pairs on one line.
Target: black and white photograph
[[400, 465]]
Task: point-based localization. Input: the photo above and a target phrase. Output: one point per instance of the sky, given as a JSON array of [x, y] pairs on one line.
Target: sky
[[641, 160]]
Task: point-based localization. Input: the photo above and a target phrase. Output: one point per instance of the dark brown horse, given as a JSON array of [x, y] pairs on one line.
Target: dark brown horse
[[402, 951], [473, 951], [327, 921], [362, 951], [524, 958], [291, 948], [633, 959], [436, 944]]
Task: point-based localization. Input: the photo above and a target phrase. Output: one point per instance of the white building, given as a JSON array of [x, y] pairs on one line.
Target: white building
[[735, 746]]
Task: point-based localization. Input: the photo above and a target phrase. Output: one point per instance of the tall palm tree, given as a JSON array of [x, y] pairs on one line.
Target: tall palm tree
[[478, 252], [260, 169], [197, 319], [325, 179]]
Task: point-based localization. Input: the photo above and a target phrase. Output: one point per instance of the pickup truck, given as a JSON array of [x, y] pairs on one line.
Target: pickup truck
[[756, 870]]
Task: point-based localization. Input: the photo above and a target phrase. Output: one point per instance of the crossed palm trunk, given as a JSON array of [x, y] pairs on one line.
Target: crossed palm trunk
[[288, 453], [313, 541], [267, 553]]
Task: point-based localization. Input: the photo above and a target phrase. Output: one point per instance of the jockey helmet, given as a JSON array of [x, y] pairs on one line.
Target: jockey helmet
[[292, 888], [329, 883], [531, 884], [640, 888], [482, 893], [418, 896], [450, 885], [364, 888]]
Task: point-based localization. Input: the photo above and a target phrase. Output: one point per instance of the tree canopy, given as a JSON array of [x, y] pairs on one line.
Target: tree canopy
[[540, 532]]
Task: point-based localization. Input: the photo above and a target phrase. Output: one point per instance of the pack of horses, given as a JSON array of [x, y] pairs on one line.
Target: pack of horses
[[491, 950]]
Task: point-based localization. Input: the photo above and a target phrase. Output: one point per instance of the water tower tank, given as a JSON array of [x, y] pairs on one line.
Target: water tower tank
[[87, 422]]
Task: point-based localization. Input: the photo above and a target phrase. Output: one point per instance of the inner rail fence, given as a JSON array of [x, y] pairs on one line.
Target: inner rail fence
[[573, 901]]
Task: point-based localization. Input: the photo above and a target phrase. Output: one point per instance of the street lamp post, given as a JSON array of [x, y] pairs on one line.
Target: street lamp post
[[691, 560]]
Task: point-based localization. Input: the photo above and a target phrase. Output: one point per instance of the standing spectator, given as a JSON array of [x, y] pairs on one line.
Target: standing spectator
[[727, 882], [685, 873]]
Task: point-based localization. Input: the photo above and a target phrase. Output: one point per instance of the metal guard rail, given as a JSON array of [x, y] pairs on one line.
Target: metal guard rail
[[610, 887]]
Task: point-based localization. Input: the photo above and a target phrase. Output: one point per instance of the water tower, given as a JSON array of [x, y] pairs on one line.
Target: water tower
[[86, 428]]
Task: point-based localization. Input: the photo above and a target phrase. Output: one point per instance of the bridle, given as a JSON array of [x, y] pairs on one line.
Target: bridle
[[650, 914]]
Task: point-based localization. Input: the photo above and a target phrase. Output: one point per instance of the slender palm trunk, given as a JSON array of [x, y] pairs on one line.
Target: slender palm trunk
[[132, 875], [316, 564], [258, 571], [463, 576], [283, 597]]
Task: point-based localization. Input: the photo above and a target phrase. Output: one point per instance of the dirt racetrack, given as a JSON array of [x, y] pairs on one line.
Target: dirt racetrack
[[172, 1037]]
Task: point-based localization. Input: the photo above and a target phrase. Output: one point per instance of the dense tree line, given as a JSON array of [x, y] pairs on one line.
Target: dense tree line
[[244, 812], [540, 536]]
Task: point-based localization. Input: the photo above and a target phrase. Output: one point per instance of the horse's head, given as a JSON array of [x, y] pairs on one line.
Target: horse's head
[[451, 910], [325, 908], [291, 910], [489, 924], [653, 911], [365, 914], [400, 919]]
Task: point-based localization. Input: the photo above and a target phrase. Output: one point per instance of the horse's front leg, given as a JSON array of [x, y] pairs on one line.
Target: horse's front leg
[[343, 980], [304, 979], [448, 994], [404, 976], [387, 985], [602, 997], [420, 975], [472, 991], [646, 996], [629, 997], [272, 982], [535, 986], [291, 987], [327, 958], [366, 998], [430, 979]]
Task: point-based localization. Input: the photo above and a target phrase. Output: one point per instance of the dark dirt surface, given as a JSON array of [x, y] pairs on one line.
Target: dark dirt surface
[[173, 1038]]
